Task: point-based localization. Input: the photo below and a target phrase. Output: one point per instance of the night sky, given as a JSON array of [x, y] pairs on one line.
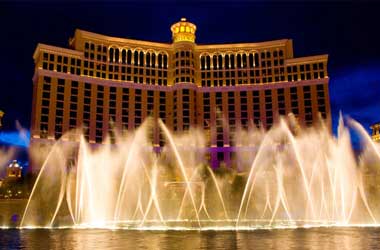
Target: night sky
[[348, 32]]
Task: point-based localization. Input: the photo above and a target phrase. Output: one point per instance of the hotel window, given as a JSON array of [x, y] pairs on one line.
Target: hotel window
[[99, 114], [232, 61], [219, 119], [318, 70], [231, 115], [73, 105], [89, 50], [162, 106], [175, 104], [256, 108], [321, 100], [294, 101], [184, 67], [186, 108], [150, 102], [125, 106], [48, 61], [292, 73], [268, 108], [206, 110], [308, 105], [138, 107], [86, 110], [59, 108], [244, 109], [220, 156], [305, 72], [281, 102], [46, 87], [112, 114], [75, 65]]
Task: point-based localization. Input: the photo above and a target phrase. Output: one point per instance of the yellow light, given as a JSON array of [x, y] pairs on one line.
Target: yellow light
[[183, 31]]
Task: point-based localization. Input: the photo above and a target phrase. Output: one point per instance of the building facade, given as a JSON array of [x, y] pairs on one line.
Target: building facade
[[376, 132], [102, 83]]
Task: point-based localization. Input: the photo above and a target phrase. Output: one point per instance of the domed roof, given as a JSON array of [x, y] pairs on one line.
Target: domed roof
[[14, 164], [183, 31]]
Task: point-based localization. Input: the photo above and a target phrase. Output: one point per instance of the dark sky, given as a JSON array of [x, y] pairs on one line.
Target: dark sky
[[347, 31]]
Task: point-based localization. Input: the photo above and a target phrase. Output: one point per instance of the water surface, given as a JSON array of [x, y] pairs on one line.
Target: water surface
[[284, 239]]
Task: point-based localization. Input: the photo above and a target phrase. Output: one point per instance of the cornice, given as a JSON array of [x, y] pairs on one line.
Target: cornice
[[306, 59], [54, 49], [245, 46], [121, 41]]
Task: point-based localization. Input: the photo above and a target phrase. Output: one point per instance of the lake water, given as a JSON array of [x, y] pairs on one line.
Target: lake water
[[283, 239]]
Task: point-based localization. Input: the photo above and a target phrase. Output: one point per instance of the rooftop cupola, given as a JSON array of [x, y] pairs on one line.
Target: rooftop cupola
[[183, 31]]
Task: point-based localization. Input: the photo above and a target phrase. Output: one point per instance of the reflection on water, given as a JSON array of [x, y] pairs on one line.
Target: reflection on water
[[289, 239]]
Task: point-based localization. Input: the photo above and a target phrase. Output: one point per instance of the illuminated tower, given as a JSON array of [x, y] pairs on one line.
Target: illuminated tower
[[1, 117], [183, 64], [376, 132]]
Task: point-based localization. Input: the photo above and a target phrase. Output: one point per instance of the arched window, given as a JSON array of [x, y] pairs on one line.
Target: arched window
[[129, 57], [244, 58], [110, 54], [251, 61], [160, 61], [238, 60], [227, 61], [116, 55], [214, 61], [220, 61], [208, 62], [153, 60], [136, 58], [232, 58], [256, 63], [203, 62], [141, 58], [165, 61], [147, 59], [123, 56]]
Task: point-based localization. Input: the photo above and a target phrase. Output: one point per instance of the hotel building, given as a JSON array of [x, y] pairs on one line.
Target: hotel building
[[376, 132], [101, 83]]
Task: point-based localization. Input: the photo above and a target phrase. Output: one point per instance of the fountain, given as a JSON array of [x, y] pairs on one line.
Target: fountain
[[295, 178]]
